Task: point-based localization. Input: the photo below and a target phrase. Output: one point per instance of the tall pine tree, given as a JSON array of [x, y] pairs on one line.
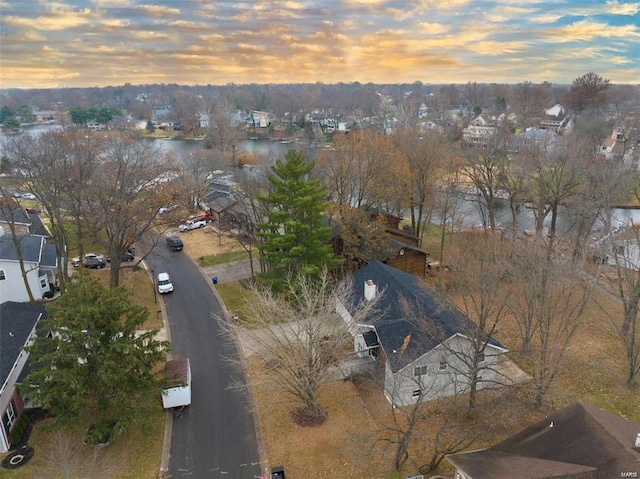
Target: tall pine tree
[[293, 238]]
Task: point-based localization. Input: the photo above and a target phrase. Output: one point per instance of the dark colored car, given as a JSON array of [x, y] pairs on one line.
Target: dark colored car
[[174, 243], [130, 255], [93, 261]]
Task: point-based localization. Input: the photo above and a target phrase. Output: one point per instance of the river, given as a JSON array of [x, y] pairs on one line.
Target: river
[[469, 211]]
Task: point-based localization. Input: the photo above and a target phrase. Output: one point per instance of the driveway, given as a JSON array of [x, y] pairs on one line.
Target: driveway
[[215, 436], [233, 271]]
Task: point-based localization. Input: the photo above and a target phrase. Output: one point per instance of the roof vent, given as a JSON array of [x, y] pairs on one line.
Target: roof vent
[[369, 290]]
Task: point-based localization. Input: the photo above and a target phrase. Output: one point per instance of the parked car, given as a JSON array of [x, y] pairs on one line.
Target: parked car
[[28, 196], [164, 283], [174, 243], [127, 256], [89, 260], [192, 225], [93, 261]]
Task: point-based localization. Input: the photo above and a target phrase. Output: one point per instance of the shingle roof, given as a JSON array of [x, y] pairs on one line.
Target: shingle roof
[[33, 248], [37, 227], [16, 323], [581, 435], [436, 320], [15, 215]]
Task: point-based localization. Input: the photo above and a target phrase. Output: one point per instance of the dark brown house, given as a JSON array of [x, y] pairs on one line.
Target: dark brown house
[[577, 442]]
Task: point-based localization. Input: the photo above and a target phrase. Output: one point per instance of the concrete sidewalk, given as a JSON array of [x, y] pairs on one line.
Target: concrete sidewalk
[[234, 271]]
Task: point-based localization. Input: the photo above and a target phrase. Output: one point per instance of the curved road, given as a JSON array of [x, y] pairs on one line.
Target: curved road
[[215, 436]]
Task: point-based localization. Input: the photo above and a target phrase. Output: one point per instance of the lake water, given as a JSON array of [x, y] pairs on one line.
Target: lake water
[[265, 152]]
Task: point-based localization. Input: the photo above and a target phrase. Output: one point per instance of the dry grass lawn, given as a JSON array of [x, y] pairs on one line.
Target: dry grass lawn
[[345, 446], [206, 242], [136, 454]]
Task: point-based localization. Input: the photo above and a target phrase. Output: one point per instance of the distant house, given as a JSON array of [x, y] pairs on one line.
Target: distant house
[[546, 140], [397, 247], [416, 337], [556, 119], [17, 329], [41, 265], [479, 132], [422, 111], [95, 126], [577, 442], [261, 119], [25, 221]]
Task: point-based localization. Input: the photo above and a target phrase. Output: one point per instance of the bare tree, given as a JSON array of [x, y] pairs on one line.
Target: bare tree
[[625, 252], [425, 153], [548, 300], [481, 286], [127, 191], [529, 100], [301, 338], [66, 458], [588, 91], [362, 171], [485, 169], [361, 238]]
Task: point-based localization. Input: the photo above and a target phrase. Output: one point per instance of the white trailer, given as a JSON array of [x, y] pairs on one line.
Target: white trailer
[[176, 391]]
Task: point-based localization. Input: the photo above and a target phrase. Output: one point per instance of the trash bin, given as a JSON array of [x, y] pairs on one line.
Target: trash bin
[[277, 472], [215, 280]]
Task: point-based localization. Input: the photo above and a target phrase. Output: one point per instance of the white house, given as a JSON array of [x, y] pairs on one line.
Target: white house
[[17, 329], [40, 262], [421, 339], [479, 132]]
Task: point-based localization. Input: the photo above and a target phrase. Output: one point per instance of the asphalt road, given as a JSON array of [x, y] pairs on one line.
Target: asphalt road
[[215, 436]]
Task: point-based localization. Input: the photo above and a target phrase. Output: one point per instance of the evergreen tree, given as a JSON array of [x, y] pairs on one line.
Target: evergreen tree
[[293, 238], [89, 357]]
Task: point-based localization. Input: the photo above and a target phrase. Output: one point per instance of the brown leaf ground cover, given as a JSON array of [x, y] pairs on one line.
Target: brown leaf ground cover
[[348, 444]]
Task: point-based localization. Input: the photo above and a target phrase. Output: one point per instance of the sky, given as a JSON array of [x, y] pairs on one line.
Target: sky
[[85, 43]]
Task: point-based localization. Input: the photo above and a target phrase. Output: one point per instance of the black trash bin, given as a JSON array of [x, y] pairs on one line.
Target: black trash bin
[[277, 472]]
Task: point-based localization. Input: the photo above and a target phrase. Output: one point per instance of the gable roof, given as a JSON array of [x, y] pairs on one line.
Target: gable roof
[[405, 340], [16, 323], [34, 249], [37, 226], [12, 213], [576, 436]]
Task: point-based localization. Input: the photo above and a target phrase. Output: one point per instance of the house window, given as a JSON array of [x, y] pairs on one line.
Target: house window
[[420, 371], [443, 365], [43, 283], [9, 416], [2, 275]]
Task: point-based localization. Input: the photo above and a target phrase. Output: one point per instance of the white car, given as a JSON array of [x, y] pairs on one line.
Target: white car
[[164, 283], [192, 225]]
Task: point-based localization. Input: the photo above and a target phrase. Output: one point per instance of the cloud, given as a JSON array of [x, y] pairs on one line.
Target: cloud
[[159, 10]]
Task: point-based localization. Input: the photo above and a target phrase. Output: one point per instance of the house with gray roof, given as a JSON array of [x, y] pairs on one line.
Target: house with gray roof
[[420, 339], [40, 263], [577, 442], [17, 329]]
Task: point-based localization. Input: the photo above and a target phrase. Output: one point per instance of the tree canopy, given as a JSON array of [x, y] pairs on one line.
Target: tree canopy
[[90, 355], [293, 238]]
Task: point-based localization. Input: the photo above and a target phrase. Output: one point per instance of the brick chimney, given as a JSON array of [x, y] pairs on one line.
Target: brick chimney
[[369, 290]]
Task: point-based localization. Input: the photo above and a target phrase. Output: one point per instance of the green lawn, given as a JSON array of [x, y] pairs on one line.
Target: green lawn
[[228, 257], [235, 297]]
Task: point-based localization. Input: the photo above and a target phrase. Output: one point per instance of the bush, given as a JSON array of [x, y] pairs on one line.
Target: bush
[[48, 294], [103, 431], [19, 429]]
